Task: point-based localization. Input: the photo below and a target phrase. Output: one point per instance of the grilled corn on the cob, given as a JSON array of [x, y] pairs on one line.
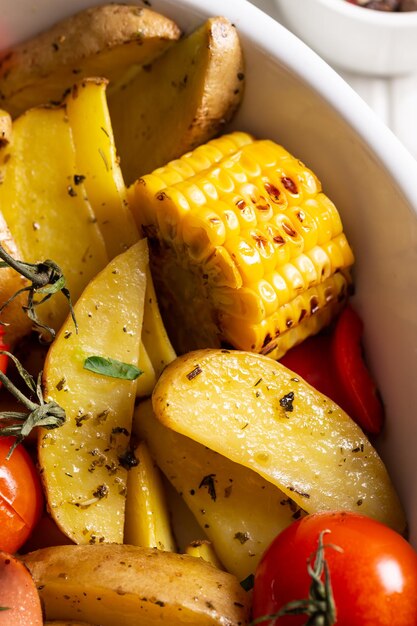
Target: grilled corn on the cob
[[246, 249]]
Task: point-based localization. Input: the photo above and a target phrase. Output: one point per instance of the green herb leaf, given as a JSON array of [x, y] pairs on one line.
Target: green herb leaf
[[111, 367]]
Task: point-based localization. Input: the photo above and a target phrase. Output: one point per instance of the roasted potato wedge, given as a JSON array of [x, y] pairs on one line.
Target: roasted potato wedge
[[179, 101], [154, 336], [128, 585], [203, 549], [258, 413], [147, 522], [100, 41], [45, 205], [98, 164], [147, 380], [17, 323], [220, 493], [82, 461]]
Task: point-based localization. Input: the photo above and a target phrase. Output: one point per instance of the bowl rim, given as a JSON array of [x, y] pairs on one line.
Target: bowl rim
[[279, 43], [372, 17]]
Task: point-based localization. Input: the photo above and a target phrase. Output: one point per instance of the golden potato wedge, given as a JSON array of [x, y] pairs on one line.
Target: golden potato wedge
[[154, 335], [98, 164], [258, 413], [128, 585], [179, 101], [220, 493], [17, 322], [185, 527], [81, 462], [147, 521], [147, 380], [203, 549], [45, 204], [101, 41]]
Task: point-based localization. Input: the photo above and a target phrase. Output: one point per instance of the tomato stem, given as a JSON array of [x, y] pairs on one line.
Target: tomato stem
[[319, 606], [46, 279], [49, 415]]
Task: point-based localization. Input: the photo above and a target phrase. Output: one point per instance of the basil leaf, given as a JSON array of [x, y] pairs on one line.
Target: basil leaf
[[111, 367]]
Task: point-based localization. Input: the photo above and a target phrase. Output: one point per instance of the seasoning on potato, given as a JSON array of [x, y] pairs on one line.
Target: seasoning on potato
[[256, 412], [84, 463], [129, 585], [101, 41]]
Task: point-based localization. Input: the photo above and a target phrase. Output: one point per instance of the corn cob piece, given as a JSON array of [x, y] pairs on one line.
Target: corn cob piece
[[246, 249]]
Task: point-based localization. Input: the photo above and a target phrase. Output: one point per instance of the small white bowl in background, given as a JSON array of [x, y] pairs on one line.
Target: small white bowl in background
[[355, 38]]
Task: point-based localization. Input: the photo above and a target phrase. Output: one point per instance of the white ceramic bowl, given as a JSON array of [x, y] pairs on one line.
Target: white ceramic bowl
[[295, 98], [354, 38]]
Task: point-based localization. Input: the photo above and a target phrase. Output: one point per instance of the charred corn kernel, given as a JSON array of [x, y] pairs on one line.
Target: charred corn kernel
[[307, 226], [246, 249], [244, 212], [289, 235]]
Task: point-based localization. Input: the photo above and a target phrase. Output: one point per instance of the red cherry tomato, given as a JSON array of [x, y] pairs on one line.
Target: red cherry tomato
[[19, 598], [21, 499], [333, 363], [373, 572]]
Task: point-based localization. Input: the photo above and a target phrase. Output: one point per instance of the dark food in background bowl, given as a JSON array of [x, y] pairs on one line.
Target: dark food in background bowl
[[386, 5]]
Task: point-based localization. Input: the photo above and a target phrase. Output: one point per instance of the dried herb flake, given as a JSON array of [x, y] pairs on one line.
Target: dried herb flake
[[287, 402], [208, 481]]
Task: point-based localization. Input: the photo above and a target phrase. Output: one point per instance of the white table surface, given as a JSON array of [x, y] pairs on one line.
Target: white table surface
[[394, 100]]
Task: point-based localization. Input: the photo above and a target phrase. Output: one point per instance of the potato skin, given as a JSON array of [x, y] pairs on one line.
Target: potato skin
[[99, 41], [126, 585], [183, 99]]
